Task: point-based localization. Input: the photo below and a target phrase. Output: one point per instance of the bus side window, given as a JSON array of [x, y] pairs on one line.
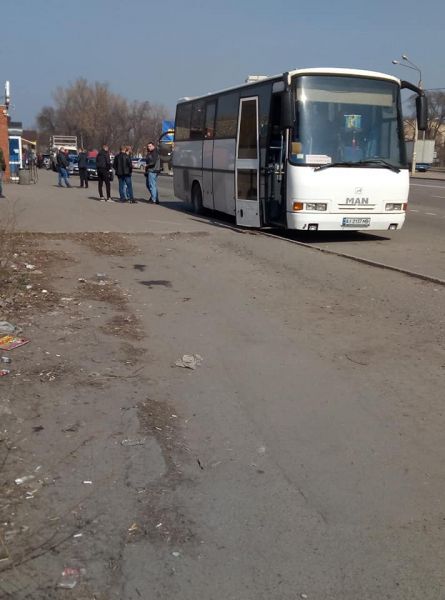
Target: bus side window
[[197, 120], [183, 114], [209, 128]]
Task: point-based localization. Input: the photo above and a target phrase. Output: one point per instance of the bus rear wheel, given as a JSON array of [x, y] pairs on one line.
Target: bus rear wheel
[[197, 206]]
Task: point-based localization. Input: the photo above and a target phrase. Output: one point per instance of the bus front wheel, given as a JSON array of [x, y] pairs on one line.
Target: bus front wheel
[[197, 199]]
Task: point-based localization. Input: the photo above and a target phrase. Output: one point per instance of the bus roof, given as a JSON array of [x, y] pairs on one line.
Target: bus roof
[[310, 71]]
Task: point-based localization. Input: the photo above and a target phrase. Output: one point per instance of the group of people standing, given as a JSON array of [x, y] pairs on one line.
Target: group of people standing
[[123, 167]]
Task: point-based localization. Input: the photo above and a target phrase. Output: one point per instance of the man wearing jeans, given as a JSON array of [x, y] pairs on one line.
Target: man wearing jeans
[[62, 167], [123, 167], [152, 169], [2, 171]]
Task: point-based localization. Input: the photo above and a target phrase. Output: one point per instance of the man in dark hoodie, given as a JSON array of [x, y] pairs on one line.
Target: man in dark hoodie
[[103, 166], [82, 163], [62, 167], [123, 168]]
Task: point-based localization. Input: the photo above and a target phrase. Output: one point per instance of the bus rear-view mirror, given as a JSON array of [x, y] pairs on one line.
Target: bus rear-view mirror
[[287, 113], [422, 112]]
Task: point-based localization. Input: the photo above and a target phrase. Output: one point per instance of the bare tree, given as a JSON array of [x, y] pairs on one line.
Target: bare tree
[[97, 115]]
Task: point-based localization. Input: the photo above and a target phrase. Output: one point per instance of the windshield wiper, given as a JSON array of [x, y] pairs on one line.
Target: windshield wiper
[[335, 164], [380, 161], [360, 163]]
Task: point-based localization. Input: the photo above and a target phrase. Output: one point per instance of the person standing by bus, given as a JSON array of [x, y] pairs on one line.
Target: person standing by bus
[[82, 163], [152, 170], [123, 168], [62, 167], [103, 166], [2, 171]]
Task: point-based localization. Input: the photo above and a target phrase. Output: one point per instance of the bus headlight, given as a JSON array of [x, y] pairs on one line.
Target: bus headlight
[[393, 206], [316, 206]]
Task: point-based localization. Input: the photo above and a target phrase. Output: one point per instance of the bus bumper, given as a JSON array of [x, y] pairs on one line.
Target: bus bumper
[[318, 221]]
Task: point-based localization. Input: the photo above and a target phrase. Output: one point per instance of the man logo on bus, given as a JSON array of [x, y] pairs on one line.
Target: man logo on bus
[[357, 201]]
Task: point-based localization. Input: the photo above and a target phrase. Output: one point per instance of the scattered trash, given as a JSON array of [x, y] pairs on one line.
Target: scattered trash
[[24, 479], [77, 535], [5, 360], [29, 286], [30, 267], [189, 361], [262, 450], [304, 596], [176, 554], [9, 342], [129, 442], [101, 276], [87, 482], [74, 427], [158, 525], [71, 577], [82, 280], [4, 372], [134, 527], [6, 327], [44, 291]]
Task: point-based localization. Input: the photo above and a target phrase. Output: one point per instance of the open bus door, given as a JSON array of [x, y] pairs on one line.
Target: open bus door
[[247, 165]]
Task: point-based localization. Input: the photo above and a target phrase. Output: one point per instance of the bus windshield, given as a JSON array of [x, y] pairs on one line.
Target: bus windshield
[[349, 120]]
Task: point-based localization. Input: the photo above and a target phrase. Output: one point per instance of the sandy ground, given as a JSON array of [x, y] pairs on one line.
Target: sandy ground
[[302, 457]]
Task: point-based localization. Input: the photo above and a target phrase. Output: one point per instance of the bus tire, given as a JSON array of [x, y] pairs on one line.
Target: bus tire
[[197, 206]]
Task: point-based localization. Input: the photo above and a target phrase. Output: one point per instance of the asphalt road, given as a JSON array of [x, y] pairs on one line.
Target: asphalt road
[[306, 456]]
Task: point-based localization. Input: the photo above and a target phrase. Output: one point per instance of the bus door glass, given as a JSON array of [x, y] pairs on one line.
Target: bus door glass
[[207, 155], [247, 165]]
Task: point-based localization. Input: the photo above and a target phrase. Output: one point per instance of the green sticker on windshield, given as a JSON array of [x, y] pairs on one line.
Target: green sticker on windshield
[[353, 121]]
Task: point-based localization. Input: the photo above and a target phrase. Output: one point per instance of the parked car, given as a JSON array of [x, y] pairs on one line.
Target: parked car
[[73, 167], [138, 163], [92, 170]]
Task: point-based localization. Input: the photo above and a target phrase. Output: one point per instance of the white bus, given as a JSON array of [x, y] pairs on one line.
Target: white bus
[[311, 149]]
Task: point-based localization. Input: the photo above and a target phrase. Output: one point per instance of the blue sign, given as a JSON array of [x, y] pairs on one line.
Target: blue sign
[[166, 126]]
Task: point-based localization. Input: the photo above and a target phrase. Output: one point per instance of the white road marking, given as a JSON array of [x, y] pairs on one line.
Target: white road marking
[[413, 210], [431, 214], [437, 196]]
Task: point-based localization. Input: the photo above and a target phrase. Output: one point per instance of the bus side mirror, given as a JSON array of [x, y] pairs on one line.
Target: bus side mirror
[[422, 112], [287, 113]]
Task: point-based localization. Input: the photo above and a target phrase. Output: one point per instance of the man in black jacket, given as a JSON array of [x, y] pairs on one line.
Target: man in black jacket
[[82, 163], [152, 169], [103, 166], [62, 167], [123, 168]]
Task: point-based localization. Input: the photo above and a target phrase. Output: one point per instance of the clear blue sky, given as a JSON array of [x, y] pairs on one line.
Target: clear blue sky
[[164, 50]]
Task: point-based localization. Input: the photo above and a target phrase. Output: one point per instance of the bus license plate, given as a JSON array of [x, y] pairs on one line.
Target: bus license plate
[[356, 222]]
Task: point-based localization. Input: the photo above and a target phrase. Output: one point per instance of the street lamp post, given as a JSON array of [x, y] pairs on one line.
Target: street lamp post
[[414, 67]]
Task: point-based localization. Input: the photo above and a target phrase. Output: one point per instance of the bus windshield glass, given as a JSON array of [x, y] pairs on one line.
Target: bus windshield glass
[[346, 120]]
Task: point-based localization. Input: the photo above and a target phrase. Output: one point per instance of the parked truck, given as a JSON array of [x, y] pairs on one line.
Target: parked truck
[[424, 154], [69, 142]]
